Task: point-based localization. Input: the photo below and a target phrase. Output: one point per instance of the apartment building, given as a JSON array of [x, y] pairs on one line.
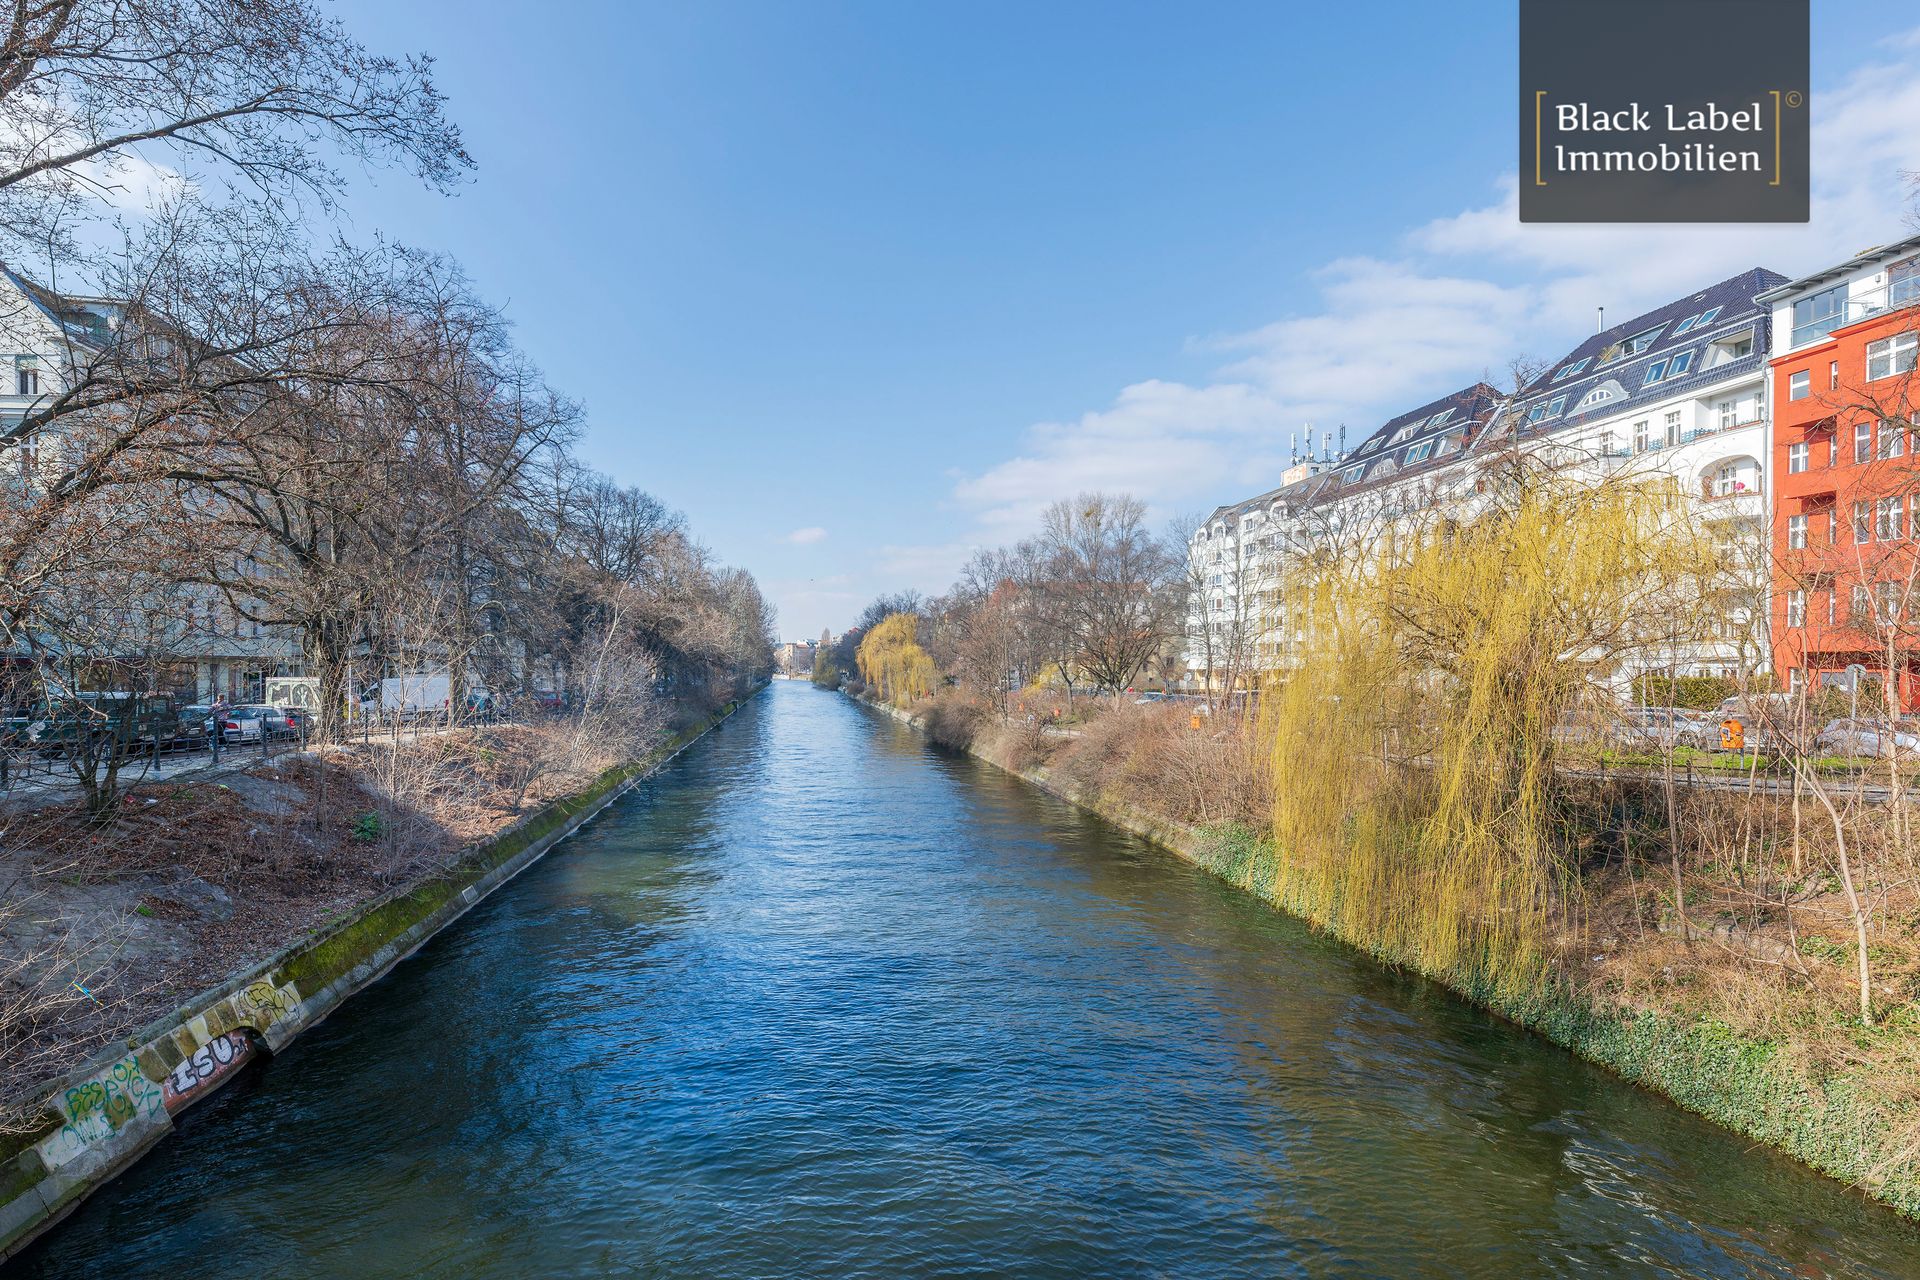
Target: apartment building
[[1679, 392], [1848, 499], [190, 641], [1237, 557]]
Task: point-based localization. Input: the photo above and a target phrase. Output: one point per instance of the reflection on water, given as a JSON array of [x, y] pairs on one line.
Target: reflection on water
[[822, 1001]]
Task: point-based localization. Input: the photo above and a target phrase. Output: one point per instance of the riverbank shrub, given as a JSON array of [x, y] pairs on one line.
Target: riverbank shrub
[[953, 719]]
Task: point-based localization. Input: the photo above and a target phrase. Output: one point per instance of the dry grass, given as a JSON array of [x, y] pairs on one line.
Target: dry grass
[[104, 928]]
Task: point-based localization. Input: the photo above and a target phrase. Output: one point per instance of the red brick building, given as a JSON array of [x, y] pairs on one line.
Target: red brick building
[[1846, 492]]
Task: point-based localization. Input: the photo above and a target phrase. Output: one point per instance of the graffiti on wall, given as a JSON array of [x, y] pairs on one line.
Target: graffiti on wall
[[94, 1110], [267, 1002], [200, 1070]]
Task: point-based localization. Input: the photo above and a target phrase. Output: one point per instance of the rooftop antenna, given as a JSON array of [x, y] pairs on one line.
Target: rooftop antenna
[[1326, 446], [1293, 447], [1343, 439], [1599, 319]]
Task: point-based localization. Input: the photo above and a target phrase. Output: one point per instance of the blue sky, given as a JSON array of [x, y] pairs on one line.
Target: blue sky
[[859, 287]]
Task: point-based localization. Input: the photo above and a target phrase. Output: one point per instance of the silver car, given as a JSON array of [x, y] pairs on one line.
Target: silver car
[[1849, 736]]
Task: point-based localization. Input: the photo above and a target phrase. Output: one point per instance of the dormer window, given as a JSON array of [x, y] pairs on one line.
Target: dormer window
[[1685, 325], [1440, 418], [1655, 371], [1551, 409], [1633, 346], [1568, 371], [1735, 347], [1419, 452], [1712, 314], [1599, 395]]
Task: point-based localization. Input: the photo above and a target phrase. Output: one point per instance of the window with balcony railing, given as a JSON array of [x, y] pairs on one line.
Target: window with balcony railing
[[1903, 283], [1814, 318]]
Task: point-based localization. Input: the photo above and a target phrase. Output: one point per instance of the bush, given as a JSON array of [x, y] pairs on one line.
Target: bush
[[953, 720], [1693, 693]]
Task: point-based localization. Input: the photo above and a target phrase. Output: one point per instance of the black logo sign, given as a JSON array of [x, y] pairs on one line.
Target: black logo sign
[[1663, 110]]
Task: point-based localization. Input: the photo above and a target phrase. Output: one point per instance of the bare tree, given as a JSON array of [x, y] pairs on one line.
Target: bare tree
[[1112, 583], [261, 93]]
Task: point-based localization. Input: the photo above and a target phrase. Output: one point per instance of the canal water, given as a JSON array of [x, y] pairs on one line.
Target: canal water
[[822, 1001]]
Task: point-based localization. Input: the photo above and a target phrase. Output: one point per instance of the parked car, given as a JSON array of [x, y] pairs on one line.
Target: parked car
[[1668, 727], [126, 721], [299, 720], [1862, 736], [255, 722]]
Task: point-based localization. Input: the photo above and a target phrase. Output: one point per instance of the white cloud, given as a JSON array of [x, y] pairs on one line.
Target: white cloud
[[807, 536], [1456, 299]]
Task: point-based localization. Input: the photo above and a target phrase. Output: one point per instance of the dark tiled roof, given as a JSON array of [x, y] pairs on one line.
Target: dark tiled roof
[[1444, 426], [1414, 442], [1625, 375]]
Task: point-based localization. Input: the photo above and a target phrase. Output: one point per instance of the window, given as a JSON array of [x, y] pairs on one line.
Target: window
[[1903, 283], [1567, 371], [1859, 604], [1551, 409], [1799, 385], [1685, 325], [1729, 411], [1681, 363], [1890, 601], [1893, 440], [1796, 608], [1890, 356], [1632, 346], [1796, 458], [1673, 426], [1889, 518], [1655, 371], [1727, 481], [1736, 347], [1640, 437], [1440, 418], [1863, 522], [1797, 532], [1641, 341], [1863, 442], [1596, 396], [1707, 319], [1420, 451], [1816, 317], [1833, 375], [26, 380], [1404, 432]]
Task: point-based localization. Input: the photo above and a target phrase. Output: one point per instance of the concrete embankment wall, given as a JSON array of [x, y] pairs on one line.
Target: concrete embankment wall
[[1839, 1125], [111, 1110]]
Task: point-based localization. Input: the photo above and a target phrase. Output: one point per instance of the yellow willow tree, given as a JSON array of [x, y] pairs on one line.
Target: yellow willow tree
[[892, 662], [1413, 747]]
